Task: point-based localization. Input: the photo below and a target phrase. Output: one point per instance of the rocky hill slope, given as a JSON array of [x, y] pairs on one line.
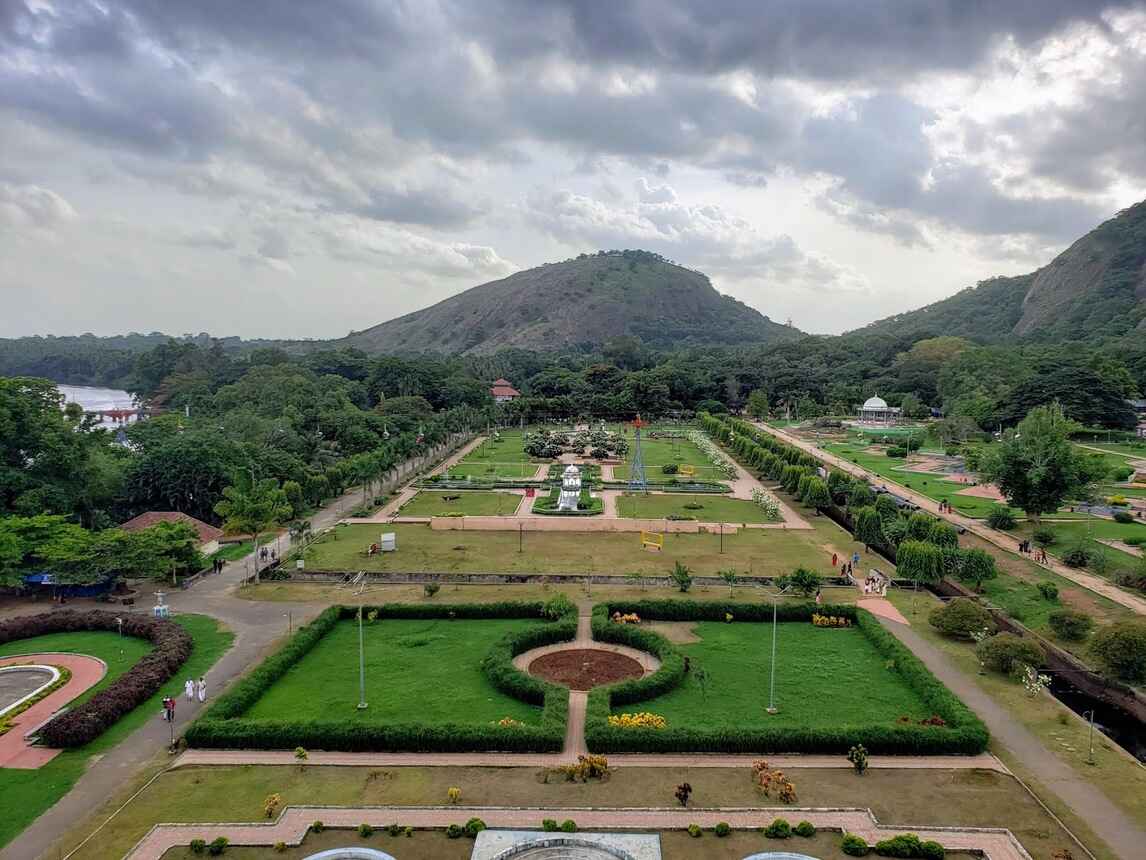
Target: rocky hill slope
[[585, 301]]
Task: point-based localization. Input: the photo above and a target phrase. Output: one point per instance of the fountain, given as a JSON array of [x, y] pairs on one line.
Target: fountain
[[531, 845]]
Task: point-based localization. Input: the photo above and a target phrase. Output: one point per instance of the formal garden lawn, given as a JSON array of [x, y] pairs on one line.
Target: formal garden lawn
[[931, 796], [424, 671], [824, 677], [507, 447], [757, 551], [28, 793], [928, 485], [437, 503], [1071, 533], [709, 508], [491, 469]]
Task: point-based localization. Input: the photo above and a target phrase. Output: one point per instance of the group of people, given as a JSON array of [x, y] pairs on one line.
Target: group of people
[[194, 690], [268, 554], [1039, 555], [217, 565], [945, 507], [875, 585], [846, 567]]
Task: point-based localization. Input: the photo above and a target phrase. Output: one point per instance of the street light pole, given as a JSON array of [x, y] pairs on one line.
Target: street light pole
[[1090, 755], [361, 665], [772, 709]]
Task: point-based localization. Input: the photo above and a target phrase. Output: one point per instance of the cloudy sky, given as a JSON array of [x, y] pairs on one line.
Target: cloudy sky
[[301, 169]]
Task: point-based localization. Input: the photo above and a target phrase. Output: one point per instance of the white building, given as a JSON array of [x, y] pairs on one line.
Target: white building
[[876, 411], [570, 489]]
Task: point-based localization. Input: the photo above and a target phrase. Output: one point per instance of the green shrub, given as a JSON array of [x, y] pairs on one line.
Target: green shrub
[[694, 831], [1043, 536], [722, 829], [394, 829], [904, 845], [670, 468], [1121, 473], [778, 829], [897, 451], [1123, 517], [805, 829], [568, 826], [280, 847], [1120, 650], [1070, 624], [854, 846], [1135, 540], [549, 825], [1001, 517], [1006, 651], [431, 588], [198, 846], [1049, 591], [455, 831], [961, 617], [217, 846], [473, 827], [930, 850], [365, 831], [1077, 556], [317, 827]]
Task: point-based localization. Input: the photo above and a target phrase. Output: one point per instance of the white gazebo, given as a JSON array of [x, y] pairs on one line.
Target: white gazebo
[[570, 489], [876, 411]]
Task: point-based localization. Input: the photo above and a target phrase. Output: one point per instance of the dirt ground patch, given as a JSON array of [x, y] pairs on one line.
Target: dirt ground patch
[[585, 668], [681, 632]]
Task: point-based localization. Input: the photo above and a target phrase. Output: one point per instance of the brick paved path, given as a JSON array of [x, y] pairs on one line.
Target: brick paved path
[[292, 825]]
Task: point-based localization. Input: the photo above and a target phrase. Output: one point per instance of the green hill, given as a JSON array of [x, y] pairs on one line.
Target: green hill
[[1094, 290], [582, 302]]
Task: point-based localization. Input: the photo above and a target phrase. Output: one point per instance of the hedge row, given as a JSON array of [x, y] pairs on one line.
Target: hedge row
[[223, 726], [963, 734], [85, 722]]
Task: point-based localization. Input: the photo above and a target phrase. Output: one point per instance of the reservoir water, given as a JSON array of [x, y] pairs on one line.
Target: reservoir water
[[94, 399]]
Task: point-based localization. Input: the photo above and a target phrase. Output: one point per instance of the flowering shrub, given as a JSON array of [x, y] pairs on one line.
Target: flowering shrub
[[586, 767], [642, 720], [765, 779], [715, 456], [766, 503], [1033, 682], [830, 620], [454, 793], [508, 723], [271, 805], [627, 618]]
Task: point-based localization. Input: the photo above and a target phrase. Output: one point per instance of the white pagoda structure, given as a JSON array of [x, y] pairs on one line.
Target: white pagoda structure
[[570, 489]]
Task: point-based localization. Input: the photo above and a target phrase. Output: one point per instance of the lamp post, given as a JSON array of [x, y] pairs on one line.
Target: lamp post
[[772, 709], [1090, 755], [361, 665], [290, 622]]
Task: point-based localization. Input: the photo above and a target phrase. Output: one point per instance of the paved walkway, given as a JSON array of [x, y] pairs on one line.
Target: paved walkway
[[1124, 836], [15, 752], [978, 527], [293, 823], [233, 758]]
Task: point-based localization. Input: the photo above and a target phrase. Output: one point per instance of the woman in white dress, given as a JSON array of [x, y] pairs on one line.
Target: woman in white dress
[[202, 689], [189, 689]]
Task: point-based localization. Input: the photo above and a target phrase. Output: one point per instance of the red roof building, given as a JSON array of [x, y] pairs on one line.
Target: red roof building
[[208, 534], [503, 391]]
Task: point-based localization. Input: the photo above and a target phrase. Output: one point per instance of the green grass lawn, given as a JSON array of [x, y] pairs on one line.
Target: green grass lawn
[[417, 671], [1126, 450], [709, 508], [928, 485], [758, 551], [654, 475], [437, 503], [904, 797], [824, 677], [1069, 533], [28, 793], [509, 448], [490, 469]]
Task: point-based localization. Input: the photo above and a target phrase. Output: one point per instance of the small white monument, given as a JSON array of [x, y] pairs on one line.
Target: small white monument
[[570, 489]]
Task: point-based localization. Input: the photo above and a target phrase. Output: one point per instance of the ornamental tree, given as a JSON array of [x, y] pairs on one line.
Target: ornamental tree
[[868, 527], [1036, 468], [919, 561], [816, 494]]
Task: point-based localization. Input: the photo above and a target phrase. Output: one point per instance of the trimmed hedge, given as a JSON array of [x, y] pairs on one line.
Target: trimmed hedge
[[963, 733], [84, 723], [224, 727]]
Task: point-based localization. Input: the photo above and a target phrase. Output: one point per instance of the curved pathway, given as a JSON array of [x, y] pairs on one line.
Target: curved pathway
[[294, 822], [1000, 539], [15, 752]]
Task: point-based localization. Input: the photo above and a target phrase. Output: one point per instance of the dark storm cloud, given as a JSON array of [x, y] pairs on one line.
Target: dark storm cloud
[[803, 38], [431, 207]]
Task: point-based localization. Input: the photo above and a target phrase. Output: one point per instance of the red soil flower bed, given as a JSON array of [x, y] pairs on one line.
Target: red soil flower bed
[[585, 668]]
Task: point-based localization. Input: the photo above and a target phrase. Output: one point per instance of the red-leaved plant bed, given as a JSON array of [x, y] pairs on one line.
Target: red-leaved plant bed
[[88, 721]]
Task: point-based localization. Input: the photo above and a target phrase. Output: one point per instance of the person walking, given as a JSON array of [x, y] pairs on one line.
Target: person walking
[[835, 559], [169, 709], [819, 598], [201, 689], [189, 689]]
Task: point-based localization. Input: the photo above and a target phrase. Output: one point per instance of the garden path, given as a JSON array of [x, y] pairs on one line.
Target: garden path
[[1121, 833], [1000, 539], [294, 821], [86, 671]]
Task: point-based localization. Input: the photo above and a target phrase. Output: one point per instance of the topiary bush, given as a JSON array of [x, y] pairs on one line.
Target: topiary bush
[[568, 826], [1004, 652], [455, 831], [1049, 591], [473, 827], [198, 846], [1123, 517], [908, 845], [854, 846], [694, 831], [722, 829], [1001, 517], [1070, 624], [961, 617], [87, 721], [549, 825], [218, 846], [805, 829], [778, 829]]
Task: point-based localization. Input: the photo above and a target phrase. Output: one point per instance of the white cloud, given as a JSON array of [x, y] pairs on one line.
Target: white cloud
[[32, 207]]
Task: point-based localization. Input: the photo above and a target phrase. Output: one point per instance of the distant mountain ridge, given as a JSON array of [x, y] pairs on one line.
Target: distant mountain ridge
[[1094, 290], [581, 302]]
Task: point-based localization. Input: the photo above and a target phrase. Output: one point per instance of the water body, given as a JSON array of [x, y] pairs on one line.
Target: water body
[[94, 399]]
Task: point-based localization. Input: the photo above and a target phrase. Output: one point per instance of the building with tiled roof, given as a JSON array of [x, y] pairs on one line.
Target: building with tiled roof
[[503, 391], [208, 535]]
